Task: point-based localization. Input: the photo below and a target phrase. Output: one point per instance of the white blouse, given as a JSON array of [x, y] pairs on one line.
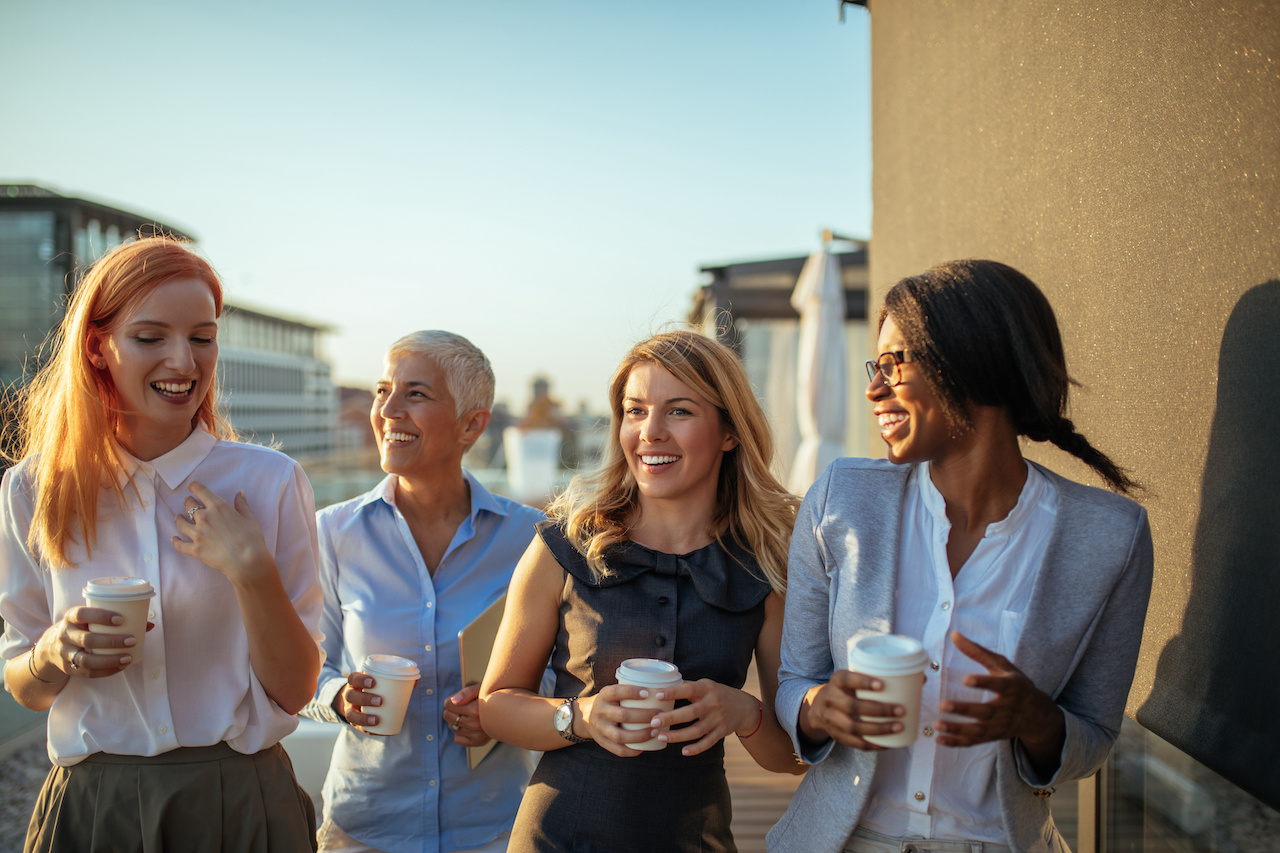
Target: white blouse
[[194, 684], [933, 791]]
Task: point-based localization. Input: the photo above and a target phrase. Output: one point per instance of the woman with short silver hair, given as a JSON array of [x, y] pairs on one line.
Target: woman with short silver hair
[[404, 568]]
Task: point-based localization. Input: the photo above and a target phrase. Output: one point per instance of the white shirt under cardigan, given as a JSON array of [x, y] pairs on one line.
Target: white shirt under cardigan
[[194, 684], [931, 791]]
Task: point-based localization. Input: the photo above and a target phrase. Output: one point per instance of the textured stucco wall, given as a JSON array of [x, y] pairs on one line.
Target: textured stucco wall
[[1126, 156]]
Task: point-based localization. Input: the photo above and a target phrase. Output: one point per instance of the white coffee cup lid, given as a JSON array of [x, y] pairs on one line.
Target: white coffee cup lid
[[648, 672], [887, 654], [390, 666], [118, 589]]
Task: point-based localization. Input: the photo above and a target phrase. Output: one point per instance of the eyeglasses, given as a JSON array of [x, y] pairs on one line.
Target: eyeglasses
[[887, 366]]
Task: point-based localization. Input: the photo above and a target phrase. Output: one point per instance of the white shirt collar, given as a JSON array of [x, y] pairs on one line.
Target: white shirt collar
[[175, 466]]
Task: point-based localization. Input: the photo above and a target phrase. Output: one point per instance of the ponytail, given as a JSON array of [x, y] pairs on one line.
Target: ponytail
[[1062, 434]]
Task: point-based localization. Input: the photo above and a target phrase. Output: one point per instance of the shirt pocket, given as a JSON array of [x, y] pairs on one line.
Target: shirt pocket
[[1011, 625]]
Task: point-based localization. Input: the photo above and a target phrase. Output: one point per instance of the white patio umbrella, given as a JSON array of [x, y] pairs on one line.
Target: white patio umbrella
[[821, 368]]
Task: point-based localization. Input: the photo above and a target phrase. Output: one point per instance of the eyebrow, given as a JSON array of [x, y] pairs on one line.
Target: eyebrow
[[160, 324], [665, 402], [410, 384]]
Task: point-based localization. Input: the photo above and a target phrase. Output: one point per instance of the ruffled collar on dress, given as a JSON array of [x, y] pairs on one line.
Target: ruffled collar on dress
[[724, 576]]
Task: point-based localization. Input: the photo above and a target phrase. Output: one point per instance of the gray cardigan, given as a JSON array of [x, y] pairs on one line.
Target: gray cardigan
[[1080, 645]]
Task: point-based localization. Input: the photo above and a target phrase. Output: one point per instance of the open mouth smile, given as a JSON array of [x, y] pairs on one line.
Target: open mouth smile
[[889, 421], [656, 461], [398, 437], [174, 390]]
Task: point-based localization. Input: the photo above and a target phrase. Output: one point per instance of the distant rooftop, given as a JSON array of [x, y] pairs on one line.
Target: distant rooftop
[[35, 197]]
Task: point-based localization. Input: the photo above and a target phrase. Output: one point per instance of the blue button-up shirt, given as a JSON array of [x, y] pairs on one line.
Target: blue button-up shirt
[[412, 791]]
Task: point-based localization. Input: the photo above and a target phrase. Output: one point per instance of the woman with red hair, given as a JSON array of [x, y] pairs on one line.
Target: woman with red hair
[[127, 469]]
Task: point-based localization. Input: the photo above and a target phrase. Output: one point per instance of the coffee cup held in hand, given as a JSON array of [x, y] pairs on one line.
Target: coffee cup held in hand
[[131, 598], [394, 678], [653, 675], [898, 662]]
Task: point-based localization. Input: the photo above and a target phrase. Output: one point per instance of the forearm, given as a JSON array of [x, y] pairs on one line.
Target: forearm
[[36, 694], [769, 745], [285, 658], [523, 718]]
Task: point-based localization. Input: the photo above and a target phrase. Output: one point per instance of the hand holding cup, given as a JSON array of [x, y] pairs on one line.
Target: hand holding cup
[[74, 646]]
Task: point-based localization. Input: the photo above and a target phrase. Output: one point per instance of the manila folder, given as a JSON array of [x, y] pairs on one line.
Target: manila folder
[[475, 645]]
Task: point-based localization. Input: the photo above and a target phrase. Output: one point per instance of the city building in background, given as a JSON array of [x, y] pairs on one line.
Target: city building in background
[[276, 383], [747, 306]]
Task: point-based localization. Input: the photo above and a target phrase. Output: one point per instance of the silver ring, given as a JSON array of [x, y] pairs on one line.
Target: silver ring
[[74, 664], [457, 721], [191, 513]]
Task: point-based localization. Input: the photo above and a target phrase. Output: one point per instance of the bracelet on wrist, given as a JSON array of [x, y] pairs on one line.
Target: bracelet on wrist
[[31, 667], [759, 722]]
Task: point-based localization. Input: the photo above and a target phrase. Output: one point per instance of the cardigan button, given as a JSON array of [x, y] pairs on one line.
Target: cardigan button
[[660, 641]]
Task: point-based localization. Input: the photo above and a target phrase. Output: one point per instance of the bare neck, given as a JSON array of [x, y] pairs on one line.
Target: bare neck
[[671, 529], [983, 478], [433, 510]]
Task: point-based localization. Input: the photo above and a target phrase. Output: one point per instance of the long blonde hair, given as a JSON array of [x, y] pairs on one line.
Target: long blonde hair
[[69, 412], [752, 508]]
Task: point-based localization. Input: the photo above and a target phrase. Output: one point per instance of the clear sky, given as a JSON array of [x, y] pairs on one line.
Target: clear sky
[[544, 178]]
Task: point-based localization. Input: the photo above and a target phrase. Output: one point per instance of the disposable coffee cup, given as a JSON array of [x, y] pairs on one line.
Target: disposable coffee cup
[[394, 678], [653, 675], [131, 598], [899, 663]]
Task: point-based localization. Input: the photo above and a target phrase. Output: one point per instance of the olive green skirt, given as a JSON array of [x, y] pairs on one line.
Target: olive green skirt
[[197, 799]]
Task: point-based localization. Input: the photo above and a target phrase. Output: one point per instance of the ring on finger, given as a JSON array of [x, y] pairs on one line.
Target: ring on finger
[[191, 513], [457, 722], [75, 659]]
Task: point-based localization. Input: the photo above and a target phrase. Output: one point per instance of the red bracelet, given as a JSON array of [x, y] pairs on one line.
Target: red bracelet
[[759, 723]]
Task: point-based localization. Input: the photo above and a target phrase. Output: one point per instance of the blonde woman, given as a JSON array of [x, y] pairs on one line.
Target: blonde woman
[[676, 550], [127, 469]]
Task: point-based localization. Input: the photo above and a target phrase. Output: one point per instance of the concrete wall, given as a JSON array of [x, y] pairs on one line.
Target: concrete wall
[[1126, 156]]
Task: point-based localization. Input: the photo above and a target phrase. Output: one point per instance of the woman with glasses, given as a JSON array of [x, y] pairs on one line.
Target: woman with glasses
[[1028, 591]]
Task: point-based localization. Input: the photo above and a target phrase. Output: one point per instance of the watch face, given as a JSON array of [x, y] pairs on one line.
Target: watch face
[[564, 717]]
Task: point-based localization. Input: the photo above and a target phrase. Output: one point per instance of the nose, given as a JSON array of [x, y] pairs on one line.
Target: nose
[[877, 389], [388, 408], [652, 428], [180, 357]]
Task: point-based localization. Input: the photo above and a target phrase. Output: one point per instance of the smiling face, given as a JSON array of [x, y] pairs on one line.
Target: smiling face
[[160, 358], [912, 419], [415, 420], [672, 438]]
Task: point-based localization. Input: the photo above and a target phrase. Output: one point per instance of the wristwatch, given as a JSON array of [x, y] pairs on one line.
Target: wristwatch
[[564, 721]]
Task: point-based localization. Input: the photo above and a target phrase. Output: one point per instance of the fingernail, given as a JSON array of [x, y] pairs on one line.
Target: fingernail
[[897, 727], [117, 620], [899, 711], [130, 641], [877, 685], [662, 694], [368, 682], [684, 751], [375, 701], [655, 722], [659, 736], [373, 721], [456, 698], [644, 694], [125, 660]]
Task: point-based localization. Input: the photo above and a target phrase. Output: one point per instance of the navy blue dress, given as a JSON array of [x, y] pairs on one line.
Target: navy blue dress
[[703, 612]]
